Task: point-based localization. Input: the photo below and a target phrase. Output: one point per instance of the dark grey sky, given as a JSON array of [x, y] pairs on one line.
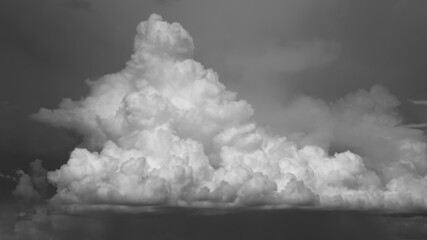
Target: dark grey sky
[[268, 51]]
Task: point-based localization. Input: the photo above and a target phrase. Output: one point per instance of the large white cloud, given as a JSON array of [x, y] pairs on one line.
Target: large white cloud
[[168, 132]]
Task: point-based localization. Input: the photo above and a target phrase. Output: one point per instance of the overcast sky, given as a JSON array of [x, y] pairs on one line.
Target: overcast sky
[[267, 51]]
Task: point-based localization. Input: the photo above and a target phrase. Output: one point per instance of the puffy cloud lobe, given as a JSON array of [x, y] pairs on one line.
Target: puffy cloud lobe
[[365, 122], [170, 133]]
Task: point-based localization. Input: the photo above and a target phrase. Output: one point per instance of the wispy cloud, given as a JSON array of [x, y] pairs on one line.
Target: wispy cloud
[[418, 102], [416, 125]]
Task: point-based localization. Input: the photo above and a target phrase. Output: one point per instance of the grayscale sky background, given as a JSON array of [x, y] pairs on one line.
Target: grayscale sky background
[[269, 51]]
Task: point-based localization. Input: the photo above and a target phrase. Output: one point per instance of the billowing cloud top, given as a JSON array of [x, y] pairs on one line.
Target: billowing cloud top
[[169, 133]]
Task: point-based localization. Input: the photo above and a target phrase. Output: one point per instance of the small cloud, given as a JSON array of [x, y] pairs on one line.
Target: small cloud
[[7, 177], [32, 187], [418, 102]]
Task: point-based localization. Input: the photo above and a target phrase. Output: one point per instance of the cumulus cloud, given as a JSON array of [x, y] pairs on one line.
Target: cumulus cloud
[[165, 131], [366, 122], [32, 188]]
